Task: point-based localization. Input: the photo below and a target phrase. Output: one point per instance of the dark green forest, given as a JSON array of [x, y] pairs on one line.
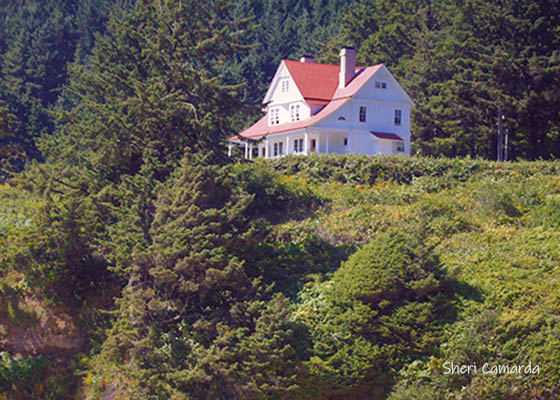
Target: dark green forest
[[138, 261]]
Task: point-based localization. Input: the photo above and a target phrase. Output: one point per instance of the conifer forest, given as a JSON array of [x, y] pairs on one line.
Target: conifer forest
[[139, 261]]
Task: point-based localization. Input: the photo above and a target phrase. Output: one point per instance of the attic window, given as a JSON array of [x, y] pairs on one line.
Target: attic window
[[294, 112], [380, 85], [285, 85], [363, 113], [274, 116]]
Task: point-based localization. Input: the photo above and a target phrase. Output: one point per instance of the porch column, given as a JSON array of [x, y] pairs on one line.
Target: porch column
[[251, 151], [287, 145], [229, 149], [349, 146], [327, 143], [306, 143], [246, 150], [266, 150]]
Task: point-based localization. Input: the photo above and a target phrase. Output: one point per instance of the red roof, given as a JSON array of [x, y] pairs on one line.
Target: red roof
[[389, 136], [318, 84], [314, 81]]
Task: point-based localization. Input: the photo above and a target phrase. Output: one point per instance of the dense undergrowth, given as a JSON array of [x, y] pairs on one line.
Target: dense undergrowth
[[331, 277]]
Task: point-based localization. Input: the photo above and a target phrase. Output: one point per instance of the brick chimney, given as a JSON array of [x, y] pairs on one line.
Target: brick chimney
[[307, 59], [347, 66]]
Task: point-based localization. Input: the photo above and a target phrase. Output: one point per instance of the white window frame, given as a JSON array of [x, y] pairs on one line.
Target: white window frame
[[274, 116], [298, 145], [294, 112], [285, 85], [362, 114], [278, 149], [380, 85], [398, 117]]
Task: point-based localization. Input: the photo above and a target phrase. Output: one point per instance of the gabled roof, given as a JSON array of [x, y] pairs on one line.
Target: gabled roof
[[314, 81], [318, 84]]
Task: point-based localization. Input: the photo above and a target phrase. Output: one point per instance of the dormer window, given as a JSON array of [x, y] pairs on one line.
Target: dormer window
[[285, 84], [294, 112], [380, 85], [274, 116], [363, 113]]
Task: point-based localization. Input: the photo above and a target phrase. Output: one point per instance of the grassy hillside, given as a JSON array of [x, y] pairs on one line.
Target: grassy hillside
[[392, 268], [494, 229]]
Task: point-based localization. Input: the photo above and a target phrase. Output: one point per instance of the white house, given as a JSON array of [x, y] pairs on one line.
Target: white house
[[323, 108]]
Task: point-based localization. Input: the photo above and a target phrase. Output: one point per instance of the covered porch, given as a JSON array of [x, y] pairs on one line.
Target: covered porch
[[298, 143]]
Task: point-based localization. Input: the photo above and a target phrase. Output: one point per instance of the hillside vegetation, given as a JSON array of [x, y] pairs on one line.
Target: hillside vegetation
[[138, 261], [307, 277]]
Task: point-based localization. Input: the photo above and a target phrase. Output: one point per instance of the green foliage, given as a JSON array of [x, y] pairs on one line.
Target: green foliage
[[459, 61], [191, 318], [17, 374], [37, 41], [380, 309]]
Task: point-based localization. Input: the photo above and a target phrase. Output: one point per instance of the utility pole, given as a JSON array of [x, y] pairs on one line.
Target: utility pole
[[506, 147], [500, 138]]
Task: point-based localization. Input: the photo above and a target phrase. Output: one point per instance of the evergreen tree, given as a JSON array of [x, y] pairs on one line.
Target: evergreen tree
[[459, 61], [41, 41], [380, 309], [192, 323], [8, 151], [149, 95]]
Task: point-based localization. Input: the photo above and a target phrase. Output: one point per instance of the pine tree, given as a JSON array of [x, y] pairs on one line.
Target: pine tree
[[8, 151], [192, 322], [149, 94], [380, 308], [41, 41]]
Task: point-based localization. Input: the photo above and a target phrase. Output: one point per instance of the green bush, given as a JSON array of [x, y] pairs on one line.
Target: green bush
[[384, 306]]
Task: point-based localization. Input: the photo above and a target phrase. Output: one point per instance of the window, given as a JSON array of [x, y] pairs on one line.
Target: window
[[298, 145], [398, 117], [313, 145], [285, 85], [294, 112], [363, 113], [400, 147], [380, 85], [278, 149], [346, 141], [274, 116]]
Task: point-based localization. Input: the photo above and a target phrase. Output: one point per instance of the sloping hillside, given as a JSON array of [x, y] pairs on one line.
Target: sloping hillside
[[385, 271]]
